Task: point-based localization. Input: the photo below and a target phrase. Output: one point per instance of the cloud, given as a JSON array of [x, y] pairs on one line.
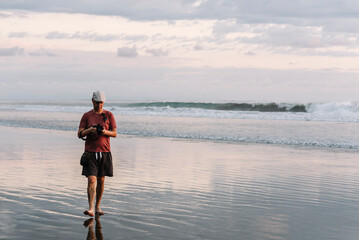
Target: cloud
[[223, 27], [127, 52], [14, 51], [81, 35], [326, 21], [94, 36], [57, 35], [5, 15], [302, 37], [149, 10], [197, 47], [138, 37], [250, 53], [276, 36], [244, 10], [42, 52], [18, 35], [338, 54], [157, 52]]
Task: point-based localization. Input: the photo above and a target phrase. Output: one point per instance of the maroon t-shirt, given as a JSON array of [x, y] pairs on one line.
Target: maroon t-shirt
[[95, 143]]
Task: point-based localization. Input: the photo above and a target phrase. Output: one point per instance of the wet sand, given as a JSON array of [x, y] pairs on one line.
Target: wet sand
[[165, 188]]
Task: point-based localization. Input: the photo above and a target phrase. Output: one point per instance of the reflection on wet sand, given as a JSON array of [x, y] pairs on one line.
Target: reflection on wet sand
[[164, 188], [94, 234]]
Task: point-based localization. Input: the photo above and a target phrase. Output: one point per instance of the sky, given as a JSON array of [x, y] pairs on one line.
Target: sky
[[180, 50]]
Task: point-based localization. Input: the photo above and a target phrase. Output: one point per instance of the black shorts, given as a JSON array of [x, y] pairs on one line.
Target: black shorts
[[100, 165]]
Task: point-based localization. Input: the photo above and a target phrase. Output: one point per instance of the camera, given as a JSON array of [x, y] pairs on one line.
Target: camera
[[99, 128]]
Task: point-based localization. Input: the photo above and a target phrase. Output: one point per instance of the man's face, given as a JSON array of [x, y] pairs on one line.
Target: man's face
[[97, 105]]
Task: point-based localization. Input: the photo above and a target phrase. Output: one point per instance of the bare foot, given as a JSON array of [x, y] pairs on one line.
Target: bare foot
[[90, 213], [99, 212], [88, 222]]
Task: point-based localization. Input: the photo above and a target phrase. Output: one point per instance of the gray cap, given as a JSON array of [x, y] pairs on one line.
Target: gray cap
[[98, 96]]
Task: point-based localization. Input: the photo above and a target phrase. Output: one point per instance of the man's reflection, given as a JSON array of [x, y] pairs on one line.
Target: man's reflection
[[91, 235]]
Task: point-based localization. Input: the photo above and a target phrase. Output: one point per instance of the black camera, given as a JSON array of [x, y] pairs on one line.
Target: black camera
[[99, 129]]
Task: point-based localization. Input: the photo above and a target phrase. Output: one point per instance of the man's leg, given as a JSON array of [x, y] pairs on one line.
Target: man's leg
[[98, 228], [89, 223], [99, 191], [91, 193]]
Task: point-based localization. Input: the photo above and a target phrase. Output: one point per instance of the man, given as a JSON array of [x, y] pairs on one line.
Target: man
[[97, 125]]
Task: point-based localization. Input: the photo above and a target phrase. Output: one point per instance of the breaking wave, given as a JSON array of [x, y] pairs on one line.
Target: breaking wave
[[260, 107]]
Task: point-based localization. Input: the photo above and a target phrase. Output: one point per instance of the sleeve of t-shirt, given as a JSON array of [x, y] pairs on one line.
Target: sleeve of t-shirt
[[83, 122], [112, 121]]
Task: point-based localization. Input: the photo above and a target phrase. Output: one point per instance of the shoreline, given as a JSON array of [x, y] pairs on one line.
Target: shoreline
[[219, 141]]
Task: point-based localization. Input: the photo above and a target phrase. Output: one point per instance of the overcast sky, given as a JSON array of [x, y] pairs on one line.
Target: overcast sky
[[180, 50]]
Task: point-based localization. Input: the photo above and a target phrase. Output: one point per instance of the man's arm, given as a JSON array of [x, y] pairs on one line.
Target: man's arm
[[110, 133], [82, 132]]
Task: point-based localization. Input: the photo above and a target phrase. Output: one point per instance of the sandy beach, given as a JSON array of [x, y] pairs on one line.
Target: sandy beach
[[166, 188], [234, 119]]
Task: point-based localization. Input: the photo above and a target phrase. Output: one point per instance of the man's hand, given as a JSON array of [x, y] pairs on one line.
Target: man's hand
[[110, 133], [84, 132], [92, 129]]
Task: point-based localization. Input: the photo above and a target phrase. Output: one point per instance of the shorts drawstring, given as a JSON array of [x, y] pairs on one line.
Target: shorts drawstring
[[98, 155]]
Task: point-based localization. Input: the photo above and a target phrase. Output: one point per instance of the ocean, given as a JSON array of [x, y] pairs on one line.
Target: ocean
[[329, 124], [184, 170]]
